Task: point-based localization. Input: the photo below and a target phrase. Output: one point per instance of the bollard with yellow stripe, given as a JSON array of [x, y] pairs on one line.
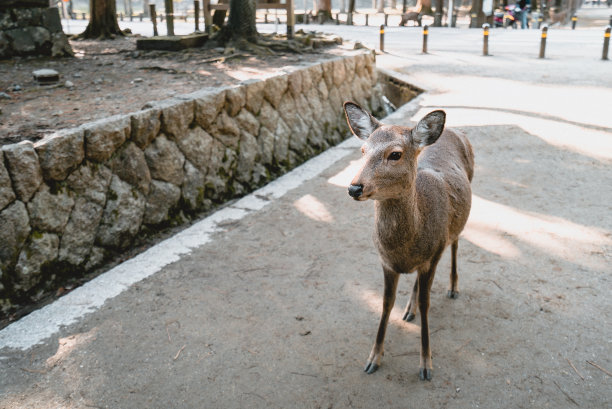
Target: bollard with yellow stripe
[[543, 42], [485, 42], [425, 34], [382, 38], [574, 20], [606, 44]]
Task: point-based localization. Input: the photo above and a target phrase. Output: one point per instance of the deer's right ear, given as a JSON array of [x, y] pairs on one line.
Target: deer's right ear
[[361, 123]]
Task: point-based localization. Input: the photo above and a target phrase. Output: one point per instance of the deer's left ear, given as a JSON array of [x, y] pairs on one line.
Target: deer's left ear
[[429, 129]]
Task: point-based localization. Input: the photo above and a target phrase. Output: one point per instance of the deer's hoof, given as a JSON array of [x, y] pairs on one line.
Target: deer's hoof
[[408, 317], [425, 374], [370, 368], [452, 294]]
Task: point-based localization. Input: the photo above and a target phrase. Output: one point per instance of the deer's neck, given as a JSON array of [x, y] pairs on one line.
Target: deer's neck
[[397, 219]]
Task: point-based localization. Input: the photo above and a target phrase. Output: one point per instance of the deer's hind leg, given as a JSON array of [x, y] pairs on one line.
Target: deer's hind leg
[[411, 307], [453, 291]]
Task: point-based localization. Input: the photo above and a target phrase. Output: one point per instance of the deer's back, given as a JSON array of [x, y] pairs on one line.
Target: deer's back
[[445, 170]]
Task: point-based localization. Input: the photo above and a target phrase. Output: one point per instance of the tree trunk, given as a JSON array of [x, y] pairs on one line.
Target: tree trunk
[[102, 20], [240, 23], [219, 15], [324, 10], [424, 7], [439, 12], [145, 8], [381, 6]]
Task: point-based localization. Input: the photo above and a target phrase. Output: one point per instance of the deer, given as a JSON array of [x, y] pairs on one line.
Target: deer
[[420, 181]]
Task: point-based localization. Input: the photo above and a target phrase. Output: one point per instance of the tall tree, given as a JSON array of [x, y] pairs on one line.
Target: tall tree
[[424, 7], [240, 25], [324, 10], [102, 20]]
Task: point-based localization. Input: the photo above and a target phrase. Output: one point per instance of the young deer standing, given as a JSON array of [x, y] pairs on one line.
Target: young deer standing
[[420, 180]]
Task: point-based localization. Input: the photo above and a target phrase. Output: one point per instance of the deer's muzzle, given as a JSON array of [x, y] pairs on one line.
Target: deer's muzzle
[[355, 191]]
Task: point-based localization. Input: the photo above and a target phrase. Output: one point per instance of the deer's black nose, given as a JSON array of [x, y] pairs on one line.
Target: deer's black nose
[[355, 191]]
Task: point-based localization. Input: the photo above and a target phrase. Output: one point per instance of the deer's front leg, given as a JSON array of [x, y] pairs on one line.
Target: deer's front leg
[[391, 279]]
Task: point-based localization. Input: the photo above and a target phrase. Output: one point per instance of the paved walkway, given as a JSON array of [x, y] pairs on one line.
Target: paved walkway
[[274, 301]]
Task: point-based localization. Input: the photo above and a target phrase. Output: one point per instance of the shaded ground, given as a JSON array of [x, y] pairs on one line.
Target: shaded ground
[[112, 77]]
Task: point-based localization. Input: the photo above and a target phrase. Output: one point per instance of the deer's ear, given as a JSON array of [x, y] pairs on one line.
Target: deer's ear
[[362, 124], [429, 129]]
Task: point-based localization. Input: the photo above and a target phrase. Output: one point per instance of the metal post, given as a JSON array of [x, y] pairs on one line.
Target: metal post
[[290, 19], [543, 41], [574, 19], [386, 19], [84, 16], [449, 17], [153, 15], [120, 16], [349, 19], [140, 16], [367, 15], [382, 38], [337, 19], [540, 20], [131, 17], [606, 44], [196, 14], [169, 16], [425, 34], [485, 43]]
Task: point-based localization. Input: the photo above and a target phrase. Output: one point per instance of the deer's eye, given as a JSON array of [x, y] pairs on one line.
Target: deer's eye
[[395, 156]]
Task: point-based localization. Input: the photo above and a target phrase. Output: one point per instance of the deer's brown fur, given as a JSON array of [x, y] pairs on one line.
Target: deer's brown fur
[[420, 180]]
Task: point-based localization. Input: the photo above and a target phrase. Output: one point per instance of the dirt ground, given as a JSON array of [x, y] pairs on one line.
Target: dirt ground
[[112, 77], [280, 310]]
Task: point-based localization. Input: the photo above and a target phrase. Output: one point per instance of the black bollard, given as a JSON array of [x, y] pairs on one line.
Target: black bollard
[[386, 19], [266, 18], [169, 16], [337, 19], [485, 42], [196, 14], [606, 44], [425, 34], [574, 20], [84, 16], [382, 38], [543, 42], [153, 15], [140, 16], [367, 15]]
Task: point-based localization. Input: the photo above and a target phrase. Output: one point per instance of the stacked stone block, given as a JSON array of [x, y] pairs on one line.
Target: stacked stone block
[[82, 194], [31, 27]]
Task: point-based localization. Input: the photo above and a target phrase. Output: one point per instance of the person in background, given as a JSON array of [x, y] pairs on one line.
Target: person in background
[[525, 6]]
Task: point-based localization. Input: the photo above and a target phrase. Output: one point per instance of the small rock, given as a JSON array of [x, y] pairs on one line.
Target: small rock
[[76, 75], [46, 76], [219, 49], [69, 84], [4, 95], [138, 79]]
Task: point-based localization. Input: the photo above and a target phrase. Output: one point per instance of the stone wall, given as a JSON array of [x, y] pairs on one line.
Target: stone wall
[[30, 27], [81, 195]]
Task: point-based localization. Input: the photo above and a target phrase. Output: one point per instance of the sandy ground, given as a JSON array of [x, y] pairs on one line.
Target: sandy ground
[[281, 309]]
